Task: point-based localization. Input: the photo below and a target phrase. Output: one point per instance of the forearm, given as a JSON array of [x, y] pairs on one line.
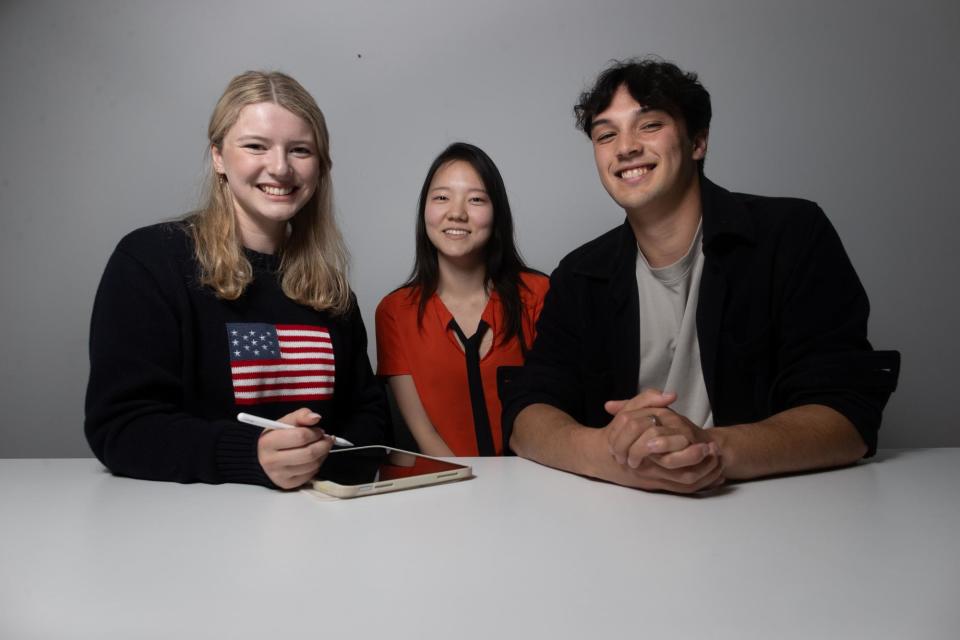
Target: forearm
[[798, 439], [431, 444], [551, 437], [415, 416]]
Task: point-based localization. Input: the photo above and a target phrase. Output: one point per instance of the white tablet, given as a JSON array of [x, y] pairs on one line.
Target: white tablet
[[364, 471]]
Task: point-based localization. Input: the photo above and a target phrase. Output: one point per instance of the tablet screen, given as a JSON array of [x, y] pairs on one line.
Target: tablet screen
[[361, 465]]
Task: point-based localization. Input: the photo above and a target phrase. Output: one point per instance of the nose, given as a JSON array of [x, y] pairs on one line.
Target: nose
[[628, 145], [457, 210], [279, 164]]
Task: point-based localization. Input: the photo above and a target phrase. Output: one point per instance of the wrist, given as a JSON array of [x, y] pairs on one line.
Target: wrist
[[725, 438], [595, 455]]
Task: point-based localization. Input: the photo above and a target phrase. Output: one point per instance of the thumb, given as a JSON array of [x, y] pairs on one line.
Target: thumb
[[613, 407], [304, 417]]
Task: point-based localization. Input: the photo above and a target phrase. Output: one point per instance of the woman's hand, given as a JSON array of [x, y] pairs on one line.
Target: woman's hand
[[291, 457]]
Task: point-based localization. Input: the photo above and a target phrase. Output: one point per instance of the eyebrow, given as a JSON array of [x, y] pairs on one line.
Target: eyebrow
[[638, 112], [446, 188], [258, 138]]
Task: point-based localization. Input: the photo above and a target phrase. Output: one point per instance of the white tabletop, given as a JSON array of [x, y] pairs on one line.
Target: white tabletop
[[871, 551]]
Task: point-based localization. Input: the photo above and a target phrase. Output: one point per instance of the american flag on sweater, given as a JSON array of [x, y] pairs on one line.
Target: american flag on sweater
[[280, 363]]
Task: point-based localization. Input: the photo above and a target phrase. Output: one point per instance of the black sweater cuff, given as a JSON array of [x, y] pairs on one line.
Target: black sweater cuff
[[236, 456]]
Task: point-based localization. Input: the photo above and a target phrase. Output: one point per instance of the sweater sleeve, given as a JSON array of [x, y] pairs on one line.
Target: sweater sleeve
[[363, 410], [135, 418]]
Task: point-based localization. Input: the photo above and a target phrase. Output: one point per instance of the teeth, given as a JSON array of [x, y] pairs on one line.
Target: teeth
[[456, 232], [276, 191], [633, 173]]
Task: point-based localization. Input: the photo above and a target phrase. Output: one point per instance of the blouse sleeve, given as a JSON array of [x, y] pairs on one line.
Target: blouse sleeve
[[391, 356]]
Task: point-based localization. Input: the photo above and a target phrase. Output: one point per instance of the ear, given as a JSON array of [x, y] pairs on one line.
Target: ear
[[700, 145], [217, 159]]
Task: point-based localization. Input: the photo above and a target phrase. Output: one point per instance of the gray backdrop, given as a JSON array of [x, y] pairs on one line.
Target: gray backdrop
[[104, 109]]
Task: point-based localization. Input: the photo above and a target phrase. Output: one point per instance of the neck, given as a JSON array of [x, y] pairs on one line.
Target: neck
[[664, 231], [461, 280], [262, 239]]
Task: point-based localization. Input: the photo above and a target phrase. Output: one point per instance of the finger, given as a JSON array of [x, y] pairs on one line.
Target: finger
[[301, 474], [684, 457], [299, 481], [640, 448], [302, 455], [692, 475], [623, 420], [644, 399], [697, 476], [302, 417], [280, 439], [709, 481], [666, 444], [293, 482], [714, 479], [301, 470], [630, 428], [681, 424], [632, 442]]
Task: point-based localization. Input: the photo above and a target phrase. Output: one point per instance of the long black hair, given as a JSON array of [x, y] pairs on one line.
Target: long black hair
[[501, 258]]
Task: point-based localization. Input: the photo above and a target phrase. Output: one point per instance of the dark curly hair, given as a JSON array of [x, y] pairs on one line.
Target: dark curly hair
[[654, 83]]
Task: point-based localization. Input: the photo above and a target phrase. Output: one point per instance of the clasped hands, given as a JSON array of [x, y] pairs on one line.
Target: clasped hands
[[658, 449]]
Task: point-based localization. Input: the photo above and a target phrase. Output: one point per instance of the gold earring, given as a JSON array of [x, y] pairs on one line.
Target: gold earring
[[221, 178]]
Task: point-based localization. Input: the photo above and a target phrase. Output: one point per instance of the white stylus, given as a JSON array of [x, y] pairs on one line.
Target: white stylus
[[257, 421]]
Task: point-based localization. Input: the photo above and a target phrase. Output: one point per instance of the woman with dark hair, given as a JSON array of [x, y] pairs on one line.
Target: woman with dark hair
[[466, 316]]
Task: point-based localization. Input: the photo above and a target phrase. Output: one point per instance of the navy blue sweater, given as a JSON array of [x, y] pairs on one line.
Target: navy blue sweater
[[170, 368]]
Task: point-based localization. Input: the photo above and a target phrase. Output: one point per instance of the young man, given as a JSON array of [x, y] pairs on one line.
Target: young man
[[745, 311]]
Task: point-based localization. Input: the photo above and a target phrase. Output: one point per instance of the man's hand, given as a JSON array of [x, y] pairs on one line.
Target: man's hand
[[291, 457], [659, 449]]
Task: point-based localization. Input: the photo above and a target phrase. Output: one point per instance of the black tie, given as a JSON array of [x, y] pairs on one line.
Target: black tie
[[481, 420]]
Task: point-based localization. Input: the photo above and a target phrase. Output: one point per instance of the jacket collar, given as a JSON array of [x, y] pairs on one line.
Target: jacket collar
[[724, 215], [614, 256]]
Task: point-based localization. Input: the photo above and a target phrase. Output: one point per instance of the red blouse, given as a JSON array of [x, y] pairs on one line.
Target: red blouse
[[432, 355]]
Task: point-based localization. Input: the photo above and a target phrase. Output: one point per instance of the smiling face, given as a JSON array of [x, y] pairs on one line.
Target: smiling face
[[458, 214], [646, 160], [269, 159]]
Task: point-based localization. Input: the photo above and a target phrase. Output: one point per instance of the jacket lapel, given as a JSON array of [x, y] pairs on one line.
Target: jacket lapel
[[615, 313], [724, 221], [626, 319]]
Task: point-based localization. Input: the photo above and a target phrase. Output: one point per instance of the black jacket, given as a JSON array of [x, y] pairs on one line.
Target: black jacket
[[781, 321]]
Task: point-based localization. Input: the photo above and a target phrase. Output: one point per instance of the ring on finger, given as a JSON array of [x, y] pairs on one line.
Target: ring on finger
[[654, 420]]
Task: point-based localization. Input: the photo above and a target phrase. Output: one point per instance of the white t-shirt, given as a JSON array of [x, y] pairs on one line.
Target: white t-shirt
[[669, 351]]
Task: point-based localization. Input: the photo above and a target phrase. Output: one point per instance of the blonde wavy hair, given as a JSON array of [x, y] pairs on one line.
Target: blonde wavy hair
[[314, 260]]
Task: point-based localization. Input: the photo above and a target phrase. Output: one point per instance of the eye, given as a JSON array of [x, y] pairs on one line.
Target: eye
[[653, 125], [303, 152], [604, 136], [439, 198], [255, 146], [479, 200]]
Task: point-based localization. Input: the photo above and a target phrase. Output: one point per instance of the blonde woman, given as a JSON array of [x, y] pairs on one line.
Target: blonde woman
[[241, 306]]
